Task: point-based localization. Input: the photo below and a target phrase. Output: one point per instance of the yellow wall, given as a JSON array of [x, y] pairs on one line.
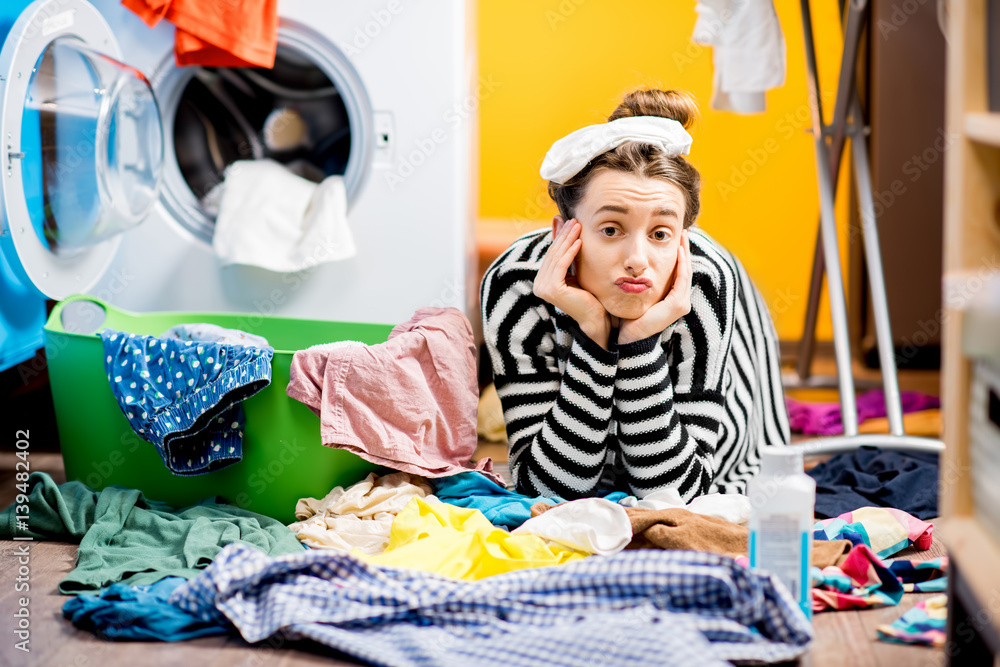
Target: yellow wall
[[556, 65]]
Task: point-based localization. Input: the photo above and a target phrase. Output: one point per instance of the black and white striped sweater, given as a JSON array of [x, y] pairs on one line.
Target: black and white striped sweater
[[687, 408]]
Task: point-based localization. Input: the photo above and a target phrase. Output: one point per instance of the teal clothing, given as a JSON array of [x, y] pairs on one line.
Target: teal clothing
[[140, 613], [126, 538]]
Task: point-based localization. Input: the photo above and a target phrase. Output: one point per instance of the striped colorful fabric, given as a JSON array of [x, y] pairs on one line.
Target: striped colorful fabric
[[923, 624], [886, 530], [864, 581], [861, 581], [639, 607], [687, 408], [921, 576]]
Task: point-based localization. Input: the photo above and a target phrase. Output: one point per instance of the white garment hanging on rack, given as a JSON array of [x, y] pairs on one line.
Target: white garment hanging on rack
[[748, 51]]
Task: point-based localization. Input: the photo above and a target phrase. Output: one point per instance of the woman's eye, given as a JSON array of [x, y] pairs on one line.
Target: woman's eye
[[608, 231], [660, 235]]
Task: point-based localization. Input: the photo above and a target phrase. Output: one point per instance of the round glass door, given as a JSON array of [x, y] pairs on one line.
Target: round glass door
[[82, 147], [91, 145]]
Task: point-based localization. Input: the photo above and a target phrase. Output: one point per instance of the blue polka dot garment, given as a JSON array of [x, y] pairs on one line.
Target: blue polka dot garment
[[185, 396]]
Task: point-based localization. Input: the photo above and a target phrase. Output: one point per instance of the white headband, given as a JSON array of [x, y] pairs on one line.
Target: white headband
[[572, 153]]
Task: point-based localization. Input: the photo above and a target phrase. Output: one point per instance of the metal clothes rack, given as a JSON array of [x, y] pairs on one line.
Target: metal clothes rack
[[848, 121]]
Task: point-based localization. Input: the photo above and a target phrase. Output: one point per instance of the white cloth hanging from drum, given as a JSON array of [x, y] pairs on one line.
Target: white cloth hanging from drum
[[271, 218]]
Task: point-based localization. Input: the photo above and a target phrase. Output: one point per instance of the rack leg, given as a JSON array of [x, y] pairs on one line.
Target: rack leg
[[876, 281], [854, 22], [828, 229]]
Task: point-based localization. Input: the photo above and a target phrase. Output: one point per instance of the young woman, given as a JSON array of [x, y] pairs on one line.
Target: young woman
[[630, 351]]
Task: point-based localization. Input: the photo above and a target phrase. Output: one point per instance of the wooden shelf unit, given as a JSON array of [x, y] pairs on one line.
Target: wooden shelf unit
[[971, 252], [983, 127]]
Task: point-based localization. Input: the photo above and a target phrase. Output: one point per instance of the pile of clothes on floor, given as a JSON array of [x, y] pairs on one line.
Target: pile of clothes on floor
[[446, 587], [400, 569], [435, 561]]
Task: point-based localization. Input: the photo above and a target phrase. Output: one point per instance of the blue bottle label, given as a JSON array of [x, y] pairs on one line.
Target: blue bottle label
[[780, 547]]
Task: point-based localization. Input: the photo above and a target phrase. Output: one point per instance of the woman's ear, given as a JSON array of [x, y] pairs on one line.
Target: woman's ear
[[557, 225]]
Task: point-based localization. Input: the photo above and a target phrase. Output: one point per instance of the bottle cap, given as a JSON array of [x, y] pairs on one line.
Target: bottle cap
[[786, 460]]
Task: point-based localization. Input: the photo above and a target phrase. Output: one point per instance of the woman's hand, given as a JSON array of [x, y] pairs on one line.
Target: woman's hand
[[554, 284], [675, 305]]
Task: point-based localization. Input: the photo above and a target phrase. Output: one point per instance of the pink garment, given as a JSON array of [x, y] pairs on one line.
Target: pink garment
[[409, 403], [824, 418]]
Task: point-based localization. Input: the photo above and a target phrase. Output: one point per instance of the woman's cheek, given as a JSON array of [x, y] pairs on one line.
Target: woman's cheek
[[583, 265], [669, 269], [585, 277]]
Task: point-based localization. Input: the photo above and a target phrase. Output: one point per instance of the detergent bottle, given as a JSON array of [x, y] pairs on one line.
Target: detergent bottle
[[783, 499]]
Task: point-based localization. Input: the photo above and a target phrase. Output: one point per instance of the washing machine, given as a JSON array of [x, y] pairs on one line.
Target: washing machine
[[108, 150]]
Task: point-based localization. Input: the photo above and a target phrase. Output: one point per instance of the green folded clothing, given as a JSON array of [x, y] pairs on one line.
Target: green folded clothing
[[125, 537]]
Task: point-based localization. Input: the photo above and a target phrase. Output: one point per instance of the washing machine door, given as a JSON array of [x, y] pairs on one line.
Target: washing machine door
[[81, 147]]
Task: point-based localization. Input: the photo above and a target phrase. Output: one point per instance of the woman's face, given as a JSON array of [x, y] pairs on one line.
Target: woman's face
[[631, 228]]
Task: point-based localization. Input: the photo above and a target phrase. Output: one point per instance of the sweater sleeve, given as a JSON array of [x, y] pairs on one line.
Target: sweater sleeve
[[669, 388], [557, 422]]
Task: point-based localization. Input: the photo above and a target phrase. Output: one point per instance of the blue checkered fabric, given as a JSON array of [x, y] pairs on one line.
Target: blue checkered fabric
[[638, 607]]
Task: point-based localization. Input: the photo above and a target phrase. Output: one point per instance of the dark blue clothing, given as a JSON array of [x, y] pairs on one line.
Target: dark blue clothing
[[871, 476], [184, 396]]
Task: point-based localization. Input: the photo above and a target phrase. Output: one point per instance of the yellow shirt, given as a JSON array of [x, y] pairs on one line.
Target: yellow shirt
[[460, 542]]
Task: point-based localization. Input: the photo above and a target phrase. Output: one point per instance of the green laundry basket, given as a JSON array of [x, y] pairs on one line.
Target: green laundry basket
[[283, 459]]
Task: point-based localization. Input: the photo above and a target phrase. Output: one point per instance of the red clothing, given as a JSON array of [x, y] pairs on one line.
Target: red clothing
[[217, 33]]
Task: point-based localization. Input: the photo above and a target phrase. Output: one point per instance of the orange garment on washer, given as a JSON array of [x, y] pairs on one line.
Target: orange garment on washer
[[217, 33]]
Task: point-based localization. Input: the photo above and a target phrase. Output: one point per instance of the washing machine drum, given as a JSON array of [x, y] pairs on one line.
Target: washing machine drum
[[292, 114]]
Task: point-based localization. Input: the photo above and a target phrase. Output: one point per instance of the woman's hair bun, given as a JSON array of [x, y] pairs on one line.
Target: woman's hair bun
[[675, 104]]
